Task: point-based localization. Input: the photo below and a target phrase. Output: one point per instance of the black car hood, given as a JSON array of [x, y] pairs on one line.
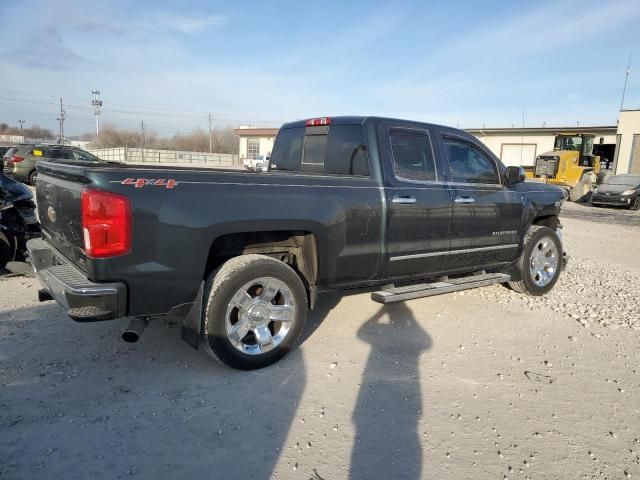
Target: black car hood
[[617, 189], [12, 190], [532, 186]]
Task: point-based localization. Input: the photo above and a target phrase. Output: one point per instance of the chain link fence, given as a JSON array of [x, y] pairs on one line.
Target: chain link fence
[[149, 156]]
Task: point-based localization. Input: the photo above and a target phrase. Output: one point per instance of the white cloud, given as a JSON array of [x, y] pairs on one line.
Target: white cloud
[[162, 21]]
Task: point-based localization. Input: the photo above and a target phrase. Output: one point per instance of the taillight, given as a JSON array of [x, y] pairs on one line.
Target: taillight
[[16, 159], [106, 223], [318, 122]]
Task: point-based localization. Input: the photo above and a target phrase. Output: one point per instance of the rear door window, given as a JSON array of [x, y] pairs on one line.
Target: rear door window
[[83, 156], [412, 154], [60, 154]]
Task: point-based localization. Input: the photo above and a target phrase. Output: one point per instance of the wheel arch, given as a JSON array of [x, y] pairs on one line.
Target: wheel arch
[[297, 248]]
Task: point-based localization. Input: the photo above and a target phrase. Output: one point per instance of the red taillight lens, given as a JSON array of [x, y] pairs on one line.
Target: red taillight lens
[[318, 122], [16, 159], [106, 223]]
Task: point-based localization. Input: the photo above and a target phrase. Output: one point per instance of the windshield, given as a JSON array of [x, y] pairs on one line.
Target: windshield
[[573, 142], [623, 180]]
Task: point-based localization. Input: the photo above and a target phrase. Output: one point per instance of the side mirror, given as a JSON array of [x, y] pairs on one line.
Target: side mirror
[[514, 175]]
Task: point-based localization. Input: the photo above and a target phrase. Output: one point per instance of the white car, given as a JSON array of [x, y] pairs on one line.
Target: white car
[[256, 164]]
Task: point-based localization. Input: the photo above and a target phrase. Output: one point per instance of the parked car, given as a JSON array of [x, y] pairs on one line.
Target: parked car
[[21, 160], [347, 202], [18, 221], [3, 150], [618, 191], [256, 164]]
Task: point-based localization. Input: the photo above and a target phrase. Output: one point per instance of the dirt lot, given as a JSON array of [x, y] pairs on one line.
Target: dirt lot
[[482, 384]]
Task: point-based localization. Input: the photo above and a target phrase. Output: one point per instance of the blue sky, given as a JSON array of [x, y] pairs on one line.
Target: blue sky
[[263, 63]]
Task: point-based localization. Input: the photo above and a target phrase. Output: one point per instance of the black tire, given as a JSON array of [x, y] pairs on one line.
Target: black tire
[[582, 191], [635, 205], [532, 240], [226, 282], [33, 177], [7, 250]]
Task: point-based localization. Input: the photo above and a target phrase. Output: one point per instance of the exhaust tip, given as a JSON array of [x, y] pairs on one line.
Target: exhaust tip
[[134, 330], [130, 336]]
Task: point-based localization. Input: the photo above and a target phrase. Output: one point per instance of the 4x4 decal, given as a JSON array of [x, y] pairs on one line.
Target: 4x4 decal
[[156, 182]]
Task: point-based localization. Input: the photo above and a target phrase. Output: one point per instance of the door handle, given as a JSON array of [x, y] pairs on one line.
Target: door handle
[[464, 200], [404, 200]]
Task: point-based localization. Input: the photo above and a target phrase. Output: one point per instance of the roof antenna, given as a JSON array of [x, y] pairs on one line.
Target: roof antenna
[[626, 78]]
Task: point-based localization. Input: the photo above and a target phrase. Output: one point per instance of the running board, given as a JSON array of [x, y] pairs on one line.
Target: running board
[[398, 294]]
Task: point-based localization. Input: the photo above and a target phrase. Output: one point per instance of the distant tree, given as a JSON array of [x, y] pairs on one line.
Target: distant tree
[[111, 136], [31, 132]]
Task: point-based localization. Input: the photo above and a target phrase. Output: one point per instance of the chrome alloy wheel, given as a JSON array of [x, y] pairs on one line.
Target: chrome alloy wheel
[[260, 315], [544, 261]]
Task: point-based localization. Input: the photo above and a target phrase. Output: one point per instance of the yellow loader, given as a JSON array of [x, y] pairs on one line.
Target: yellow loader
[[571, 165]]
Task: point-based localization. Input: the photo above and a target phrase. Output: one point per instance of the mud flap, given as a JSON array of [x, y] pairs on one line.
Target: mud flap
[[192, 322]]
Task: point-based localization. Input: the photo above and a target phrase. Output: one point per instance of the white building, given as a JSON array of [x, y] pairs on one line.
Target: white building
[[255, 141]]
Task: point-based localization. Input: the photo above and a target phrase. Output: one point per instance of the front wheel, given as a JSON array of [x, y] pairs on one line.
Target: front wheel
[[540, 263], [255, 312], [581, 192], [635, 205]]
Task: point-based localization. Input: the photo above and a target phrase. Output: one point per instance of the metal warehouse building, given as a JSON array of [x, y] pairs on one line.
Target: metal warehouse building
[[620, 144]]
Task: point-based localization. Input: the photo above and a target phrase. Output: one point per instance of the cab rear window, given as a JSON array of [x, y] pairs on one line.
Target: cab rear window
[[322, 150]]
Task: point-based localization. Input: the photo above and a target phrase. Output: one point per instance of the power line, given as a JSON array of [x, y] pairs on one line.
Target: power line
[[169, 112]]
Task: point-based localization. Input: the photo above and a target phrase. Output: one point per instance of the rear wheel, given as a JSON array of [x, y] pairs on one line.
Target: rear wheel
[[540, 263], [33, 177], [255, 312]]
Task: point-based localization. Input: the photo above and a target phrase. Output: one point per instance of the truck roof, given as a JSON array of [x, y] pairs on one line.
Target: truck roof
[[359, 120]]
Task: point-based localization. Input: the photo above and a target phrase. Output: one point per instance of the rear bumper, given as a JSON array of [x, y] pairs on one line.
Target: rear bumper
[[84, 300]]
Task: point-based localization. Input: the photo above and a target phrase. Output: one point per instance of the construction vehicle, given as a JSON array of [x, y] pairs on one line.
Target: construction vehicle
[[571, 165]]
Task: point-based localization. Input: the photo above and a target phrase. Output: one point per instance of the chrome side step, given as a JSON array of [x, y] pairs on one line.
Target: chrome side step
[[445, 285]]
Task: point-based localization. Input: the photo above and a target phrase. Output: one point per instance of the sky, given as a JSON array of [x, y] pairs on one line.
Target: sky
[[263, 63]]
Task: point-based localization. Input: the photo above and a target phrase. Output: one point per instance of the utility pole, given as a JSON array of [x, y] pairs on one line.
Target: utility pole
[[97, 105], [524, 109], [61, 120], [142, 132], [210, 136], [626, 79], [21, 122]]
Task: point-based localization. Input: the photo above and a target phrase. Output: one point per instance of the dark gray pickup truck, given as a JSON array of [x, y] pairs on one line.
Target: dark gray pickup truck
[[403, 208]]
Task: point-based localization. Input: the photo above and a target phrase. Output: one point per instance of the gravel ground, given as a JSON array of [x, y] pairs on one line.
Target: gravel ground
[[480, 384]]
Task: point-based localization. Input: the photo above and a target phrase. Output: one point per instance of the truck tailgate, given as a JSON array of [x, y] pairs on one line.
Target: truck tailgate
[[59, 208]]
